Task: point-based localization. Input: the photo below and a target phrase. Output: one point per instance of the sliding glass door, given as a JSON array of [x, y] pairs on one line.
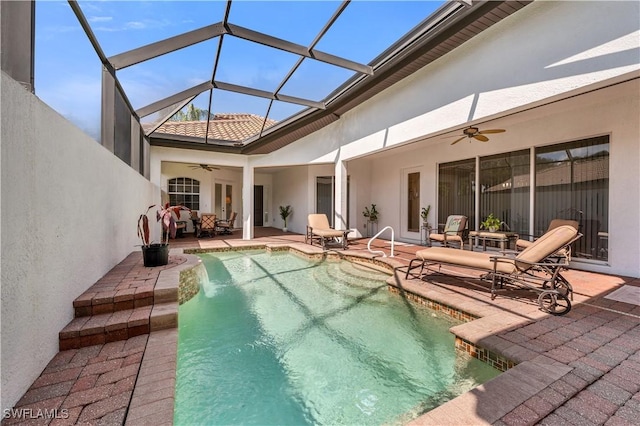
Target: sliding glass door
[[572, 182], [504, 189], [456, 185]]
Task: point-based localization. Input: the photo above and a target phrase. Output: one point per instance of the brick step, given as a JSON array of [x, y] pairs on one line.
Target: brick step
[[95, 302], [119, 325]]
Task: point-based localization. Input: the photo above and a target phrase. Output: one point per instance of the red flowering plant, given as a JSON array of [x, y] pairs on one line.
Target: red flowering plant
[[165, 217]]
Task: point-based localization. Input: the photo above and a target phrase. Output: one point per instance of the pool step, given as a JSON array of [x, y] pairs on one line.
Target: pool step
[[352, 276], [363, 270], [348, 286], [122, 304]]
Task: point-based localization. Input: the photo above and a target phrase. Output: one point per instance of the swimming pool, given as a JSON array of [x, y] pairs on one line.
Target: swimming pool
[[278, 339]]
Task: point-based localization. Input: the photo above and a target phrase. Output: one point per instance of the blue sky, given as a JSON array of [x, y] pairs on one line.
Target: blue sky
[[68, 73]]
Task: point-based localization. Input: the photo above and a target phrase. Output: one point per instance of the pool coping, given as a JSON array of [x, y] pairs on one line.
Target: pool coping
[[525, 373]]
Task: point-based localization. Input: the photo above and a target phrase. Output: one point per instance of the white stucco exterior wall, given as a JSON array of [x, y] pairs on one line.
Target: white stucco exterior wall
[[69, 214]]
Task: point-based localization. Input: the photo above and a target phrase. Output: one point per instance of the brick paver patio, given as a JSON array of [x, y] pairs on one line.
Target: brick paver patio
[[579, 369]]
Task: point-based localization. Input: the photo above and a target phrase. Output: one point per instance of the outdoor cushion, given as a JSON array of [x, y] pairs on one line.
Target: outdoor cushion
[[469, 259]]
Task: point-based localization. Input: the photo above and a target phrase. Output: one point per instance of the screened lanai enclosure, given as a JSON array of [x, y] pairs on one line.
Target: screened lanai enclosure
[[234, 76], [237, 77]]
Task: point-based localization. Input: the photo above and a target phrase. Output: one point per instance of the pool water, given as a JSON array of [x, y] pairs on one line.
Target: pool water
[[275, 339]]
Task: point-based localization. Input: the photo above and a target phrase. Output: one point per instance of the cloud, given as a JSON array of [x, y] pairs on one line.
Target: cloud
[[77, 99], [100, 19], [135, 25], [145, 24]]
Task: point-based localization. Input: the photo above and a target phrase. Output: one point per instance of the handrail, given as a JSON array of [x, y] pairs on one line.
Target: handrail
[[376, 236]]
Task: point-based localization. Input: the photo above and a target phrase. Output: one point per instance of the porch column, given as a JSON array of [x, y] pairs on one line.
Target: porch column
[[247, 202], [340, 202]]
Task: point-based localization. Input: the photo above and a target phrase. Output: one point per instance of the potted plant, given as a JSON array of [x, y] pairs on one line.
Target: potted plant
[[157, 254], [285, 212], [424, 214], [491, 223], [371, 213]]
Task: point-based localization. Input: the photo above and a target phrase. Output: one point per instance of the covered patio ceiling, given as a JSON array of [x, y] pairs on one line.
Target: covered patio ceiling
[[274, 115]]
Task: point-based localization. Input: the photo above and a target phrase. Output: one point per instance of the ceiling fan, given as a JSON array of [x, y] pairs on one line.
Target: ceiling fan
[[204, 166], [474, 132]]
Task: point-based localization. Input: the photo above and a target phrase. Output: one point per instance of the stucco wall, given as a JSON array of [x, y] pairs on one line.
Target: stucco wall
[[291, 187], [613, 111], [69, 209]]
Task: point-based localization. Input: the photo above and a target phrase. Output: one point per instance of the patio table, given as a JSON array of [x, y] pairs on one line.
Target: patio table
[[499, 237]]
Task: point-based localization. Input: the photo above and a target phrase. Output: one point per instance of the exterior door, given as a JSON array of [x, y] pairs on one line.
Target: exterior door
[[410, 203], [258, 205], [223, 200], [324, 196]]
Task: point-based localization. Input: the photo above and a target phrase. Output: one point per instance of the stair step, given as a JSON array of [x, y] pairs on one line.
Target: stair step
[[124, 303], [349, 287], [364, 270], [103, 328], [103, 302], [355, 278]]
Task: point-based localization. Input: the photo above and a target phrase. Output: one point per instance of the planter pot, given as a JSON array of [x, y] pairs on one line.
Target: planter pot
[[155, 255], [493, 228], [285, 229]]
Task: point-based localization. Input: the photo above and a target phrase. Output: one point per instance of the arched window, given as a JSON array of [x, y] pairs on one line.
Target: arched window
[[184, 191]]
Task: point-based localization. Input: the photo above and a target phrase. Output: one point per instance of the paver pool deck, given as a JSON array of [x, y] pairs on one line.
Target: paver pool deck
[[582, 368]]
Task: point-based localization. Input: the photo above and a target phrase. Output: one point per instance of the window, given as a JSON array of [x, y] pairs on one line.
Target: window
[[572, 182], [413, 202], [504, 189], [325, 193], [184, 191], [456, 186]]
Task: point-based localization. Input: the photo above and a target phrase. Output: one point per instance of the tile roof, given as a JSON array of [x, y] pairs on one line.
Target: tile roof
[[229, 127]]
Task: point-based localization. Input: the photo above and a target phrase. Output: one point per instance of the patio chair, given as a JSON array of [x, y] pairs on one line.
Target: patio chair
[[529, 269], [207, 225], [225, 227], [318, 229], [453, 231], [180, 218]]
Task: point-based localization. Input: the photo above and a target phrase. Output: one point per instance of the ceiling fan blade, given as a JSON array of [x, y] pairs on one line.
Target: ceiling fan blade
[[457, 140], [492, 131], [481, 138]]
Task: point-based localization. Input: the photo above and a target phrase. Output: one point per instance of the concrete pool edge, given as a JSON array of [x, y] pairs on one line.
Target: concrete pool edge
[[154, 394], [525, 372]]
